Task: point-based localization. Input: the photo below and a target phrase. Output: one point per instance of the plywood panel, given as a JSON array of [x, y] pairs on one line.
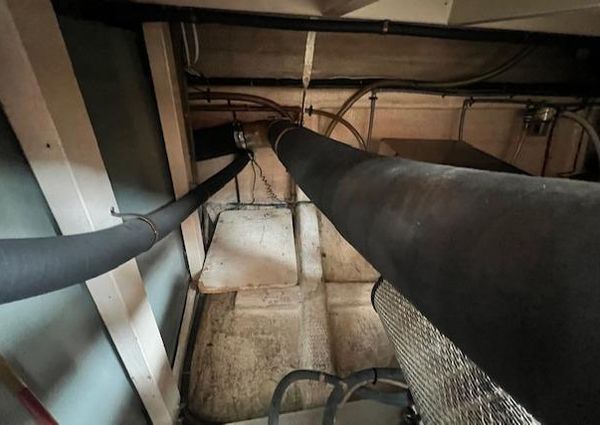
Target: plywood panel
[[251, 249]]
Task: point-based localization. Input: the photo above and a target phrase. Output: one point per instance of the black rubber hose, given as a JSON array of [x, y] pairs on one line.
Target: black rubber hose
[[355, 383], [213, 142], [329, 379], [35, 266], [506, 266]]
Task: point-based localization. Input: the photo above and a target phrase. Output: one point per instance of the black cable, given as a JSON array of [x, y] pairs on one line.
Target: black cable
[[353, 384], [338, 384]]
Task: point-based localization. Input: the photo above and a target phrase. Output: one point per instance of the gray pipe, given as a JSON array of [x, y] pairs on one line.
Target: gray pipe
[[506, 266], [34, 266]]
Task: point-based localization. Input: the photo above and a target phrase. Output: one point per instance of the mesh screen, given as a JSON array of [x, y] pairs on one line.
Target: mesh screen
[[447, 387]]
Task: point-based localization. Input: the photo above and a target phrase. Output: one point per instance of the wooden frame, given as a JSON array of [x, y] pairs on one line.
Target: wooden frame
[[163, 65], [44, 105]]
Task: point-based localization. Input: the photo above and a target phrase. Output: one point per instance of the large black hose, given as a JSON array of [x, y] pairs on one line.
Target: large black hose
[[506, 266], [34, 266]]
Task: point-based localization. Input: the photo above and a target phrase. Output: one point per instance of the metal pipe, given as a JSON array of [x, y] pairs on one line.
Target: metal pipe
[[209, 95], [34, 266], [506, 266], [465, 81]]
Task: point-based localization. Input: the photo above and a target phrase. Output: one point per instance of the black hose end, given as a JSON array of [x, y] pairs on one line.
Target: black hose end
[[216, 141], [277, 129], [378, 282]]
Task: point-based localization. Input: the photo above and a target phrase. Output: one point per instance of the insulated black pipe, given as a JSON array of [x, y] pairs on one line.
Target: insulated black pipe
[[213, 142], [506, 266], [35, 266]]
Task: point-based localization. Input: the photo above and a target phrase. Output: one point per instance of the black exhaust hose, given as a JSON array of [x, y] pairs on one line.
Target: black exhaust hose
[[216, 141], [35, 266], [506, 266]]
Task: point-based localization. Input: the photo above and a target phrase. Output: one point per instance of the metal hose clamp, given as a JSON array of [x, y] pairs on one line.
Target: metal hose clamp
[[142, 217], [280, 136]]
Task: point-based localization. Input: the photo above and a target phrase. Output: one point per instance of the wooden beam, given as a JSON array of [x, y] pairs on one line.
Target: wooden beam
[[41, 97], [175, 134], [170, 108]]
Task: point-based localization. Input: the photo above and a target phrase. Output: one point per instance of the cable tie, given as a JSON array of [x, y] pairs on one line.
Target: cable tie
[[142, 217]]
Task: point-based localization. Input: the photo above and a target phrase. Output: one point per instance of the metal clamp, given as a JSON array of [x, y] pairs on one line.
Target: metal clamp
[[280, 136], [240, 138], [142, 217]]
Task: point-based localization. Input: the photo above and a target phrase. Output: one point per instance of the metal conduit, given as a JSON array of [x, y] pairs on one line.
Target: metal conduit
[[506, 266]]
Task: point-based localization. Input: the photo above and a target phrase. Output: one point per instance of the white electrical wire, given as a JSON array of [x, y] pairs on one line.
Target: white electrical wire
[[196, 46], [587, 126], [186, 48]]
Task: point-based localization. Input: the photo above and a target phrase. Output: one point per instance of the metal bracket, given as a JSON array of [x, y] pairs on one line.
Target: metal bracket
[[142, 217]]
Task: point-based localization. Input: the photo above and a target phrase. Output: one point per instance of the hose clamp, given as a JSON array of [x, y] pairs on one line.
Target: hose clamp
[[240, 139], [142, 217], [280, 136]]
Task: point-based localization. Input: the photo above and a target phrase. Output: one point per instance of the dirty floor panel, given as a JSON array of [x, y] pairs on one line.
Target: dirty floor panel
[[249, 340]]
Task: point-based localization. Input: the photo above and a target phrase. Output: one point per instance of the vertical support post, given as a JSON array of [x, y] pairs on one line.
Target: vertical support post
[[170, 107], [42, 100]]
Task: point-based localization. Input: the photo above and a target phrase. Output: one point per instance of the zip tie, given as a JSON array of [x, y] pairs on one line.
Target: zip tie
[[142, 217]]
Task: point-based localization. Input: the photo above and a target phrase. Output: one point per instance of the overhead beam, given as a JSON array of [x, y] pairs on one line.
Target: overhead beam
[[42, 100]]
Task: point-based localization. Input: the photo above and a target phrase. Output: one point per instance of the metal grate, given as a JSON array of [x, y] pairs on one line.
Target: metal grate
[[448, 388]]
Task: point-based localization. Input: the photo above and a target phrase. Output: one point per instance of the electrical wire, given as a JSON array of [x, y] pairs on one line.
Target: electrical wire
[[463, 116], [341, 120], [357, 381], [338, 383], [352, 390], [373, 99], [520, 144], [196, 46], [587, 127], [391, 84]]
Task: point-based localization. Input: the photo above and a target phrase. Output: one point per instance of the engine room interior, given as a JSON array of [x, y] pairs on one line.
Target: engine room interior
[[299, 212]]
